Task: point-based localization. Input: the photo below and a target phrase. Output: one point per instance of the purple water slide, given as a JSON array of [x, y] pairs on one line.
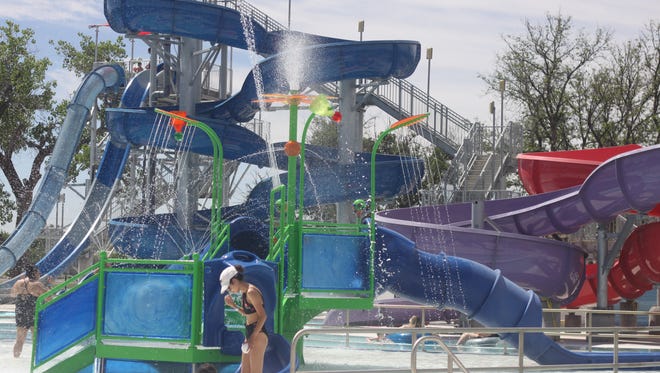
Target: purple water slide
[[510, 240]]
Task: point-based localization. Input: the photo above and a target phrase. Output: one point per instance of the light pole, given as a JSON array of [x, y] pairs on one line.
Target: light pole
[[429, 57], [492, 163], [289, 21], [492, 111], [96, 40], [502, 88], [361, 28]]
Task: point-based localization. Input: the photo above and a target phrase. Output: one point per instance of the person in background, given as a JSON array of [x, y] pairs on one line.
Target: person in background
[[413, 322], [252, 307], [206, 368], [26, 291], [361, 208], [467, 336], [138, 68]]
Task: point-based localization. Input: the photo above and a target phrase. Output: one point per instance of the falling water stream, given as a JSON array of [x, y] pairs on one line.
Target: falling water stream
[[248, 32]]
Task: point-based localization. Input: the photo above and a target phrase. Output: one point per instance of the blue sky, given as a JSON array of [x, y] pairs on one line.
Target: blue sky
[[465, 35]]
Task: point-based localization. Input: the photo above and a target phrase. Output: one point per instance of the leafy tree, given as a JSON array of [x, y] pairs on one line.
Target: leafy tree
[[80, 59], [27, 119], [539, 68], [650, 51]]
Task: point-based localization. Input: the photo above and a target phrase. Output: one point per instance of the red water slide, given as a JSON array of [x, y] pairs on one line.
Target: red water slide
[[638, 267]]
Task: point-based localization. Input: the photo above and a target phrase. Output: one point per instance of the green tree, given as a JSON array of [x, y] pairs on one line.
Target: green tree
[[539, 67], [80, 59], [617, 102], [650, 45], [27, 117]]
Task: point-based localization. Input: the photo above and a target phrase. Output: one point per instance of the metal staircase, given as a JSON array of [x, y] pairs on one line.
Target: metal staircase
[[479, 170]]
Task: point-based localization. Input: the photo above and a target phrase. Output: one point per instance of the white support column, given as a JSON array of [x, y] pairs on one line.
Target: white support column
[[350, 138]]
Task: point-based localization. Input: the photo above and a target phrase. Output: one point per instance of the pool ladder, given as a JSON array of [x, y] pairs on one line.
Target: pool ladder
[[451, 358]]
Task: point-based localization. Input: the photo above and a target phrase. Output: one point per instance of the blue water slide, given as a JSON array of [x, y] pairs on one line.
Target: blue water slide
[[509, 239], [326, 182], [333, 60], [76, 238], [101, 79], [481, 293], [326, 59], [261, 274]]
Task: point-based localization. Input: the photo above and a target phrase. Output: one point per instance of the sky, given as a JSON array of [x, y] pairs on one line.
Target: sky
[[465, 35]]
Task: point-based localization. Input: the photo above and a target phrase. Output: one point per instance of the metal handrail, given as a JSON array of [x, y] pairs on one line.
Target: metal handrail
[[612, 332], [451, 357]]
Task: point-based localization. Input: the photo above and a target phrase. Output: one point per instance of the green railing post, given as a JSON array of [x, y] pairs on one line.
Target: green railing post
[[294, 254], [196, 316], [100, 312]]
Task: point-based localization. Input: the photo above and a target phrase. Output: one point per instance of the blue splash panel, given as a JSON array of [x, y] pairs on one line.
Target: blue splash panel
[[333, 262], [152, 305], [66, 321]]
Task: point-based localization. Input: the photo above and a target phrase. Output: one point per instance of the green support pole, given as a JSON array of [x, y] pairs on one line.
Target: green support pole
[[294, 254], [217, 229], [196, 316], [100, 313], [402, 123]]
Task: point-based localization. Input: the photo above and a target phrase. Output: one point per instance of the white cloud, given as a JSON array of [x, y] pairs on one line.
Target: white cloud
[[61, 11], [67, 83]]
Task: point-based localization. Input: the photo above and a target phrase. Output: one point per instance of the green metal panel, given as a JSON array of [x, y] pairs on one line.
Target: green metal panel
[[75, 363]]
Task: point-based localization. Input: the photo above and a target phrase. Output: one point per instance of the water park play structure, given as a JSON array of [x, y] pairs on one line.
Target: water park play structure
[[484, 259]]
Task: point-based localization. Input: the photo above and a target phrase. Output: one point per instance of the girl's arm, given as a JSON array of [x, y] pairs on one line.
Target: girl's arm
[[230, 302]]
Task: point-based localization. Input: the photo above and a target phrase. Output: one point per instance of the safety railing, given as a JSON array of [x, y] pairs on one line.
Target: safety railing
[[444, 127], [441, 336], [451, 357], [255, 13], [95, 314], [399, 98], [587, 326], [424, 310]]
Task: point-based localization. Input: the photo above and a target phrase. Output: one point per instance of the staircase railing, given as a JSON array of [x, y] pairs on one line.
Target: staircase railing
[[399, 98], [246, 8], [501, 160], [444, 128]]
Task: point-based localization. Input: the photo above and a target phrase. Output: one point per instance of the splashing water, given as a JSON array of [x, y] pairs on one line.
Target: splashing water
[[248, 32], [294, 61]]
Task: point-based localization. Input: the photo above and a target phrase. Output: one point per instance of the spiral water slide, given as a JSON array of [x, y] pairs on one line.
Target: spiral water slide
[[327, 59], [101, 79], [337, 60], [413, 267], [638, 267]]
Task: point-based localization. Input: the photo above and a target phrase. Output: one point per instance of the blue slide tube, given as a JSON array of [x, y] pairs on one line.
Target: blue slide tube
[[102, 78], [481, 293]]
